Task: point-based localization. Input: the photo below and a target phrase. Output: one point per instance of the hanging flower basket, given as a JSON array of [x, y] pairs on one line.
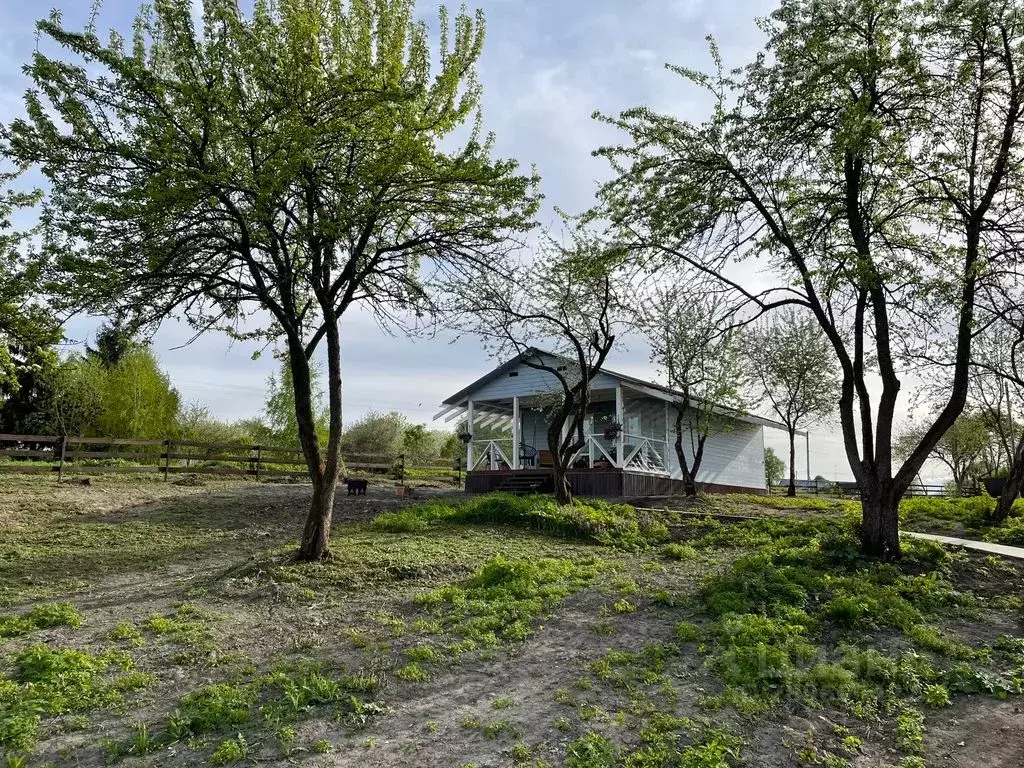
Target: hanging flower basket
[[612, 431], [465, 437]]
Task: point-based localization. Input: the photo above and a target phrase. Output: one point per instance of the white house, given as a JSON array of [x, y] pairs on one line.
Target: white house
[[504, 409]]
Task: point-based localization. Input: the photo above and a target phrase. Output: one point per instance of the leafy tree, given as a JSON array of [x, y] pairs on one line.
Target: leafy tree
[[197, 424], [695, 344], [137, 399], [869, 160], [114, 340], [998, 386], [569, 300], [262, 175], [774, 468], [376, 434], [959, 449], [28, 330], [793, 363], [279, 410]]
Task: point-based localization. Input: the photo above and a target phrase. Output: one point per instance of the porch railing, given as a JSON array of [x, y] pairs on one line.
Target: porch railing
[[490, 454], [642, 454], [645, 454]]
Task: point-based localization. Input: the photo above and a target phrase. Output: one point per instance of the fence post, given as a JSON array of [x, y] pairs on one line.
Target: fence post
[[63, 453], [401, 468], [167, 459], [458, 470], [259, 458]]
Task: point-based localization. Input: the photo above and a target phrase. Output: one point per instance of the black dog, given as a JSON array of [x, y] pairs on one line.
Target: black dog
[[356, 487]]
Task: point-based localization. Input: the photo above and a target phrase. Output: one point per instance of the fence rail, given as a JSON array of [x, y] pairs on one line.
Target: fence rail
[[64, 454]]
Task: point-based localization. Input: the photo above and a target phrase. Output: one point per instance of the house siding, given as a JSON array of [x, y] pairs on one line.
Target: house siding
[[734, 457], [529, 381]]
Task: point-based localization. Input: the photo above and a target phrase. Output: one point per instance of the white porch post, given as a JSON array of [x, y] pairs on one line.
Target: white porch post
[[668, 442], [517, 435], [620, 417], [590, 441], [469, 428]]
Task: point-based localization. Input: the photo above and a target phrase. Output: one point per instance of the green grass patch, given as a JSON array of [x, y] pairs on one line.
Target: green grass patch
[[500, 602], [602, 522], [48, 682], [42, 616]]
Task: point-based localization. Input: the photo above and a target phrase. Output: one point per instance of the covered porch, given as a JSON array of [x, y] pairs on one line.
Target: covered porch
[[625, 430]]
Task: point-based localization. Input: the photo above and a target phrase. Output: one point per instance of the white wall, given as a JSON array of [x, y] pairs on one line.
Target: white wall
[[734, 457]]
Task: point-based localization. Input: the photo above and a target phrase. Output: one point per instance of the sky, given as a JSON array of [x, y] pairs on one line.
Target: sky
[[547, 66]]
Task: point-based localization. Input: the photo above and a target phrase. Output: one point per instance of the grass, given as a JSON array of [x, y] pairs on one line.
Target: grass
[[612, 644], [594, 520]]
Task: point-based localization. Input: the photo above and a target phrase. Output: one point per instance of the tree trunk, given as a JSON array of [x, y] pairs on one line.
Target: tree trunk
[[562, 490], [1012, 489], [316, 537], [880, 527], [689, 476], [792, 463], [323, 470]]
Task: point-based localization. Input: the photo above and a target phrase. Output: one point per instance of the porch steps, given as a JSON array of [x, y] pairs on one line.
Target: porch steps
[[527, 483]]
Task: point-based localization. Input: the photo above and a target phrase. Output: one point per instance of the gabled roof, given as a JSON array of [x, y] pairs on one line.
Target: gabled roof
[[657, 390]]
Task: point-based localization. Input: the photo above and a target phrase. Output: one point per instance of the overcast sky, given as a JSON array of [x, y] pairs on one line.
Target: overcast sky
[[547, 65]]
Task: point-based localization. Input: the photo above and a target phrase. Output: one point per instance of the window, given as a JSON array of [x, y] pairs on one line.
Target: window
[[512, 374]]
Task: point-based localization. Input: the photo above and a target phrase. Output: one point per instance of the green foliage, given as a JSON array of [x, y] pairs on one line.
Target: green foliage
[[679, 552], [46, 681], [592, 750], [774, 468], [42, 616], [937, 696], [214, 708], [615, 525], [132, 398], [405, 521], [230, 751], [500, 602], [795, 368]]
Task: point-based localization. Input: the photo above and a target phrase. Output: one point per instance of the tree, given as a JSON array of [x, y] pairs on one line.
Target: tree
[[870, 161], [376, 434], [263, 175], [28, 331], [694, 343], [959, 449], [998, 385], [567, 299], [279, 410], [114, 340], [774, 468], [793, 363]]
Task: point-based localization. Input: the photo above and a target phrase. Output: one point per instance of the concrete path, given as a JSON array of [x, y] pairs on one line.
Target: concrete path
[[983, 546]]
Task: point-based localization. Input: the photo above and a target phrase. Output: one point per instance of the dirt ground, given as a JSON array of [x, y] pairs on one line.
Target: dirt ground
[[128, 549]]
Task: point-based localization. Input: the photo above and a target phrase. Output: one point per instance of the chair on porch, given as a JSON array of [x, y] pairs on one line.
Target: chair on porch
[[527, 456]]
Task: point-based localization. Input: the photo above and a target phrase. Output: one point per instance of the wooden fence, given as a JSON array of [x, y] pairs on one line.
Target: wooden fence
[[63, 454]]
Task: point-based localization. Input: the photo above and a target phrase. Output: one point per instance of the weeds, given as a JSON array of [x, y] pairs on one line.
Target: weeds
[[617, 525], [42, 616]]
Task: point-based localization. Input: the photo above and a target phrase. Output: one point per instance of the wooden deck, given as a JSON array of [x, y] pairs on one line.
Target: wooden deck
[[605, 483]]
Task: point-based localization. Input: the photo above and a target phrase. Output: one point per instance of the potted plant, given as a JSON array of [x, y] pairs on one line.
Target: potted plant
[[612, 430], [465, 436]]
